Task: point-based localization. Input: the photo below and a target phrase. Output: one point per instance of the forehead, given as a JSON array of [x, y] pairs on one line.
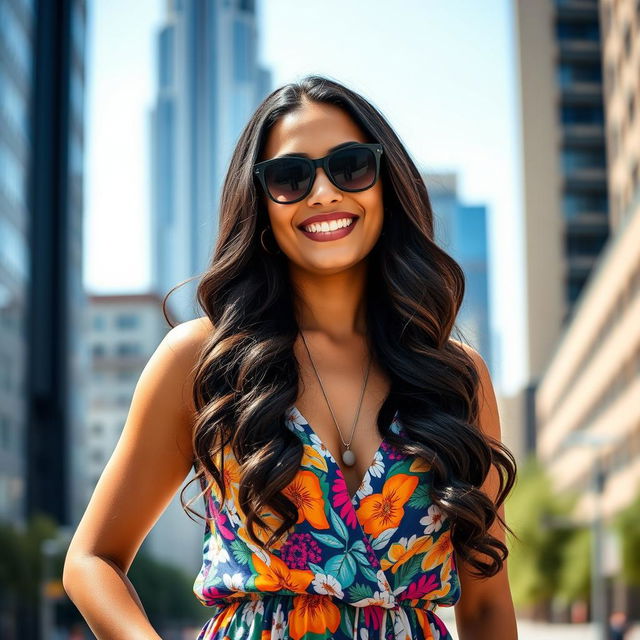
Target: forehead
[[313, 130]]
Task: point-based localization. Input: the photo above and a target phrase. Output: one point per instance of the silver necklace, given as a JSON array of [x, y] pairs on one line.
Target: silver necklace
[[348, 457]]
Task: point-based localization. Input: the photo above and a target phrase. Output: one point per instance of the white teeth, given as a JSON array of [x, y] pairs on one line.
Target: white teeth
[[331, 225]]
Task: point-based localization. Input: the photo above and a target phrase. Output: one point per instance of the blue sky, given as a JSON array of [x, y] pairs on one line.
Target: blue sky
[[442, 73]]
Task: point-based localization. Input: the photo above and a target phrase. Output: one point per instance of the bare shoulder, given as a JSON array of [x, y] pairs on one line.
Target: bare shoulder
[[478, 360], [152, 457]]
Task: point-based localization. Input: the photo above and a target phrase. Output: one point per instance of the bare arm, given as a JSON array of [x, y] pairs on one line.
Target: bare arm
[[485, 610], [149, 464]]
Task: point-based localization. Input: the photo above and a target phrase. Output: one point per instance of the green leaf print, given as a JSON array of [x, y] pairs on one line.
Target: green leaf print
[[383, 538], [358, 545], [240, 551], [359, 592], [329, 540], [346, 620], [339, 525], [368, 573], [360, 557], [409, 569], [420, 498], [343, 568]]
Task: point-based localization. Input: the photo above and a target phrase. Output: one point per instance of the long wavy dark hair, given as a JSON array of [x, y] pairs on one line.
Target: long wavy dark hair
[[246, 379]]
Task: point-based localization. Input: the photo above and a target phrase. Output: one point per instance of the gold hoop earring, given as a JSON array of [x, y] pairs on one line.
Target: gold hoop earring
[[272, 253]]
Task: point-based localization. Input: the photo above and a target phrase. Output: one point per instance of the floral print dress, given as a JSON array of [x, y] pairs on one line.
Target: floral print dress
[[372, 566]]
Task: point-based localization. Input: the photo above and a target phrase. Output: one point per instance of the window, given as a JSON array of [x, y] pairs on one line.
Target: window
[[574, 159], [128, 349], [574, 30], [127, 321], [582, 114]]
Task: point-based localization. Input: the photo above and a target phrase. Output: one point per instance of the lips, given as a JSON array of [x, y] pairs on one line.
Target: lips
[[325, 217]]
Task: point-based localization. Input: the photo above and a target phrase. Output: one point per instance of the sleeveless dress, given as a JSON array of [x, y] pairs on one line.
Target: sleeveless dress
[[372, 566]]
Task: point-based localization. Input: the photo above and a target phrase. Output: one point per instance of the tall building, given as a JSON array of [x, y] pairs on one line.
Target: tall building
[[587, 401], [17, 50], [209, 83], [566, 222], [43, 361], [461, 230]]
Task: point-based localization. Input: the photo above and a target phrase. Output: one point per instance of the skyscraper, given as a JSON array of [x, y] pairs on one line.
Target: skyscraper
[[209, 83]]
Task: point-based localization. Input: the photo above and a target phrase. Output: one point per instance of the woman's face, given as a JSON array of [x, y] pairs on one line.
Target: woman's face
[[314, 130]]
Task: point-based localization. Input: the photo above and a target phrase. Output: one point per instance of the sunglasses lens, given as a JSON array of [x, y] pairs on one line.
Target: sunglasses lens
[[353, 169], [287, 179]]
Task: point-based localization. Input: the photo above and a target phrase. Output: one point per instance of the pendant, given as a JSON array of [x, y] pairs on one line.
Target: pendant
[[348, 457]]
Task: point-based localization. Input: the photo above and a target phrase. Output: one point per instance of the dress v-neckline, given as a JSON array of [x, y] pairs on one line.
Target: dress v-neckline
[[355, 498]]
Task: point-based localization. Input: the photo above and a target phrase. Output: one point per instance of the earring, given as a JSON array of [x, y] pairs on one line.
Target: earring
[[273, 253]]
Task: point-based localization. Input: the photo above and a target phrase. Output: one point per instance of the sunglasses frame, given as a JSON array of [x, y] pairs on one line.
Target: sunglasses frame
[[260, 167]]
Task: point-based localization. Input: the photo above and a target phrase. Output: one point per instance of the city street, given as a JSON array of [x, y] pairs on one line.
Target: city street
[[536, 631]]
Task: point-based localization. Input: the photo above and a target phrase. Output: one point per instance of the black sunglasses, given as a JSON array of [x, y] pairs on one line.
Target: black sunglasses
[[289, 179]]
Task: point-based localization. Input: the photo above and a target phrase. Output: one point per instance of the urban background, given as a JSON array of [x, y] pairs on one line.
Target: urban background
[[117, 121]]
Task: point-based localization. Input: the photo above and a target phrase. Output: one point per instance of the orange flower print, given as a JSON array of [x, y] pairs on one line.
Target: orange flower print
[[400, 552], [276, 576], [305, 492], [222, 620], [385, 510], [313, 614], [439, 552]]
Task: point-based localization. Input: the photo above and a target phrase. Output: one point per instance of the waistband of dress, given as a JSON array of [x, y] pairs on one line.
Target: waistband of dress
[[428, 605]]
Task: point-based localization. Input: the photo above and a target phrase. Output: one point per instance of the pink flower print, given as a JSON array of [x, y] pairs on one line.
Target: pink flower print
[[423, 585], [341, 501], [371, 554], [299, 550], [220, 523], [391, 451]]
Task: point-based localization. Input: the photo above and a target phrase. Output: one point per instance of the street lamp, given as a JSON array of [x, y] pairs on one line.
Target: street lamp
[[598, 478]]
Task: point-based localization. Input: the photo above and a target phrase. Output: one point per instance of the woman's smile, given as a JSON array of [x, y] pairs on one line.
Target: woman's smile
[[323, 231]]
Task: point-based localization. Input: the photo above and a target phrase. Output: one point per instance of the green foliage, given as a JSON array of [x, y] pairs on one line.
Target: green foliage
[[20, 557], [575, 575], [627, 523], [536, 558]]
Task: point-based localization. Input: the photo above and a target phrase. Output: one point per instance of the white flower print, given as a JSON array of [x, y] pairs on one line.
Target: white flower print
[[364, 634], [327, 585], [380, 598], [377, 465], [318, 445], [435, 632], [278, 624], [401, 625], [383, 583], [407, 542], [433, 519], [365, 487], [296, 420], [234, 582], [232, 512], [250, 610], [217, 553]]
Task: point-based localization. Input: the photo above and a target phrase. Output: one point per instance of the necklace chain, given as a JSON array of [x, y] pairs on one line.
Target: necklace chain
[[355, 420]]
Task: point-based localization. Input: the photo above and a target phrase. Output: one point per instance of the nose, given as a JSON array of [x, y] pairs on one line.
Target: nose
[[323, 190]]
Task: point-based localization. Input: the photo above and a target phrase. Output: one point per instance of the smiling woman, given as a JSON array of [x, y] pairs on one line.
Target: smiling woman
[[347, 448]]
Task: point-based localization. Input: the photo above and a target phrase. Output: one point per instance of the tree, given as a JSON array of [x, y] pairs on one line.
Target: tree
[[536, 558]]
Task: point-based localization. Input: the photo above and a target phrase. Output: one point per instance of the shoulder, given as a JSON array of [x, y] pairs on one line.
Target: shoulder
[[488, 418], [478, 360], [179, 352]]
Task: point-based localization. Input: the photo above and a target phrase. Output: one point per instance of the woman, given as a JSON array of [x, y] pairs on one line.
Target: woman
[[348, 449]]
